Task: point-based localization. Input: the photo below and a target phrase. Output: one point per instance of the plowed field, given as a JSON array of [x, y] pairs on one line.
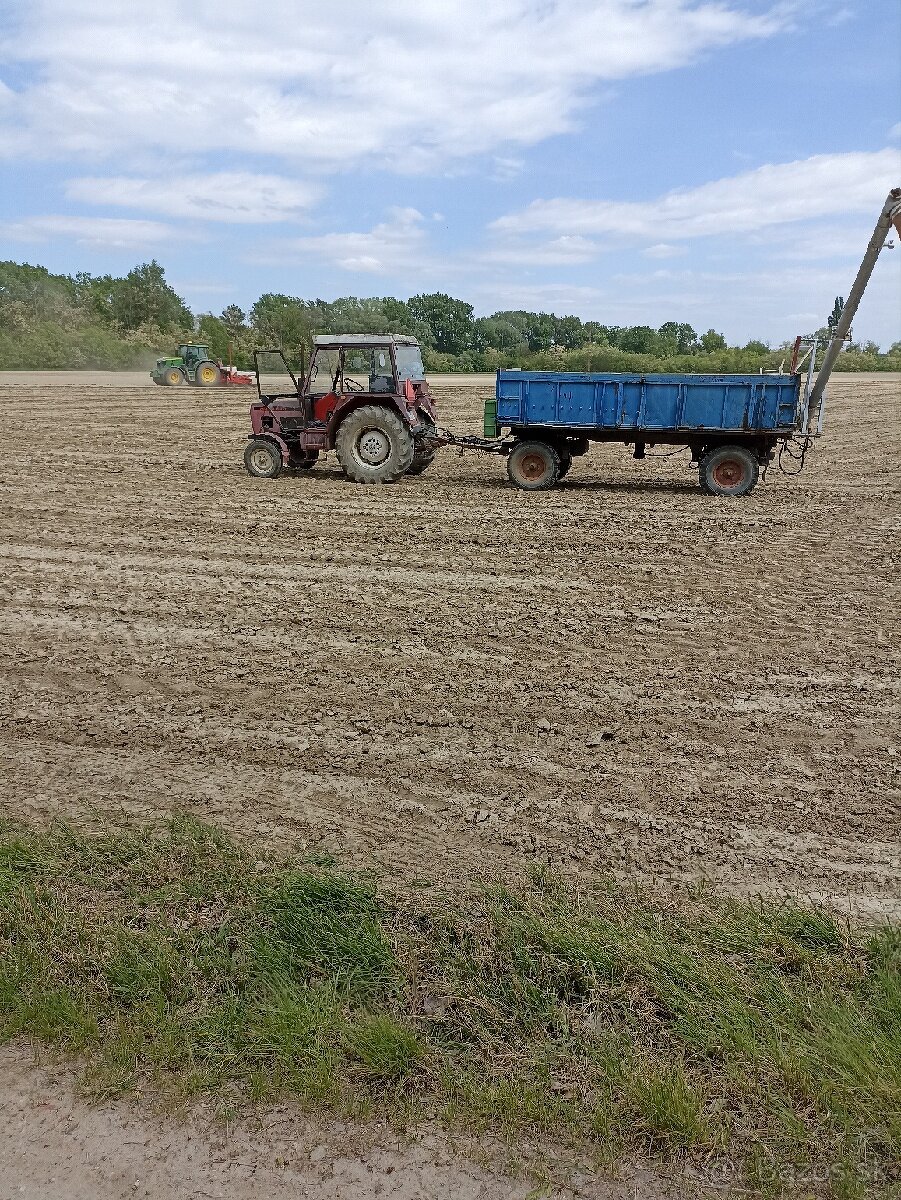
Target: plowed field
[[451, 678]]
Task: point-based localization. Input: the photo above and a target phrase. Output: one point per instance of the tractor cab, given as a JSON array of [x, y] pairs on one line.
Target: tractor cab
[[377, 364], [342, 368], [193, 353]]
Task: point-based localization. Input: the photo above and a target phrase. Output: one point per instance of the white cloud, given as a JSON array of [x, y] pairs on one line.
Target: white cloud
[[505, 167], [560, 298], [404, 85], [775, 194], [235, 196], [663, 250], [559, 251], [823, 241], [894, 133], [389, 247], [106, 232]]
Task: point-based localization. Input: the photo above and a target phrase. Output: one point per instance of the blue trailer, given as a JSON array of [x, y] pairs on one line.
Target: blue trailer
[[731, 423]]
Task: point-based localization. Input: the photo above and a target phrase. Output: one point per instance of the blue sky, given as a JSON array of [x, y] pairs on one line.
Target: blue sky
[[631, 161]]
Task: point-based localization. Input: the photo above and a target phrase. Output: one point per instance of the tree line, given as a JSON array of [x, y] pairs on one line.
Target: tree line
[[108, 322]]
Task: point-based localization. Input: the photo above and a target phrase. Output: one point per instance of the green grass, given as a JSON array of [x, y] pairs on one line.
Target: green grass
[[761, 1036]]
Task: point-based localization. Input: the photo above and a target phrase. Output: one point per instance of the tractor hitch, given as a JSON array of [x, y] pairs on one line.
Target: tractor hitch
[[443, 437]]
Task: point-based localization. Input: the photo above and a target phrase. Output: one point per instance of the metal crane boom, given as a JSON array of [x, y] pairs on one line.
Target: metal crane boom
[[890, 215]]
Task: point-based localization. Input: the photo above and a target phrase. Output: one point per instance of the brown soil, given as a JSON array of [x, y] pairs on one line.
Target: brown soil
[[449, 677]]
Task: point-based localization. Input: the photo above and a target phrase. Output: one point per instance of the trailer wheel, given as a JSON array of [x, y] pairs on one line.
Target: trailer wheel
[[263, 458], [728, 471], [533, 466], [207, 375], [374, 445]]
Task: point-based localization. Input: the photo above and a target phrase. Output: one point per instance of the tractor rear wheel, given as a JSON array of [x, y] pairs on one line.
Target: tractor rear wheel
[[207, 374], [374, 445], [728, 471], [534, 466], [421, 460], [173, 377], [263, 458]]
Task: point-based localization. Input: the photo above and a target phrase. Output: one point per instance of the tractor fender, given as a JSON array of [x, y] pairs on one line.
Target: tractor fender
[[268, 435], [361, 400]]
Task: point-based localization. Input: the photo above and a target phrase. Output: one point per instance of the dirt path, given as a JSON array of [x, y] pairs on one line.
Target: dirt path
[[450, 677], [56, 1146]]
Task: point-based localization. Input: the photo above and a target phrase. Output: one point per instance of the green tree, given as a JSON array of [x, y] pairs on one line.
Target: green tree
[[677, 337], [836, 315], [215, 333], [499, 333], [639, 339], [234, 319], [711, 341], [397, 313], [594, 333], [450, 321], [540, 331], [282, 321], [36, 295], [569, 333], [144, 298]]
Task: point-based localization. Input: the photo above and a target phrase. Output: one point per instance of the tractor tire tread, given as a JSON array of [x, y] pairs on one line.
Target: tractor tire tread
[[198, 382], [401, 455], [421, 462]]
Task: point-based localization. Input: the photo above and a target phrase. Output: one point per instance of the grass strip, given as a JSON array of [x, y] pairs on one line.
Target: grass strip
[[761, 1037]]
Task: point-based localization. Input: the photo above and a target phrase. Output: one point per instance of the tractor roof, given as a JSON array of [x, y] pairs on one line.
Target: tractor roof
[[364, 339]]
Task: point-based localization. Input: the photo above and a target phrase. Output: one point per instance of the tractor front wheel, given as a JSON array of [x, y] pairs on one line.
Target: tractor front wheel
[[374, 445], [728, 471], [533, 466], [263, 458], [173, 377], [207, 375]]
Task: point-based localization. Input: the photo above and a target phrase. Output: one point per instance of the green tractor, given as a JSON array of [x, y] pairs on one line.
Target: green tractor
[[193, 365]]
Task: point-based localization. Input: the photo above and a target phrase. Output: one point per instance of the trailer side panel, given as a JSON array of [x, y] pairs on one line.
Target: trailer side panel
[[668, 403]]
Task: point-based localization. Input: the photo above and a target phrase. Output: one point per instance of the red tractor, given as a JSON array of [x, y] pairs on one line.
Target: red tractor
[[364, 396]]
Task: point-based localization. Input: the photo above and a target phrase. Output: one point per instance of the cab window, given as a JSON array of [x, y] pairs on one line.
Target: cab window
[[369, 367], [323, 372]]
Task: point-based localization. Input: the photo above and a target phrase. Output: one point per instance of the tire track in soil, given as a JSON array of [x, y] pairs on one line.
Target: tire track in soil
[[449, 677]]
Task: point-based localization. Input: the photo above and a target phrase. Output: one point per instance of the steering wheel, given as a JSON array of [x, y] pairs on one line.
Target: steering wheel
[[351, 385]]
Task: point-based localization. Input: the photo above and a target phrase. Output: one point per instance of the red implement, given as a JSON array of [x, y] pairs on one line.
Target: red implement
[[231, 377]]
